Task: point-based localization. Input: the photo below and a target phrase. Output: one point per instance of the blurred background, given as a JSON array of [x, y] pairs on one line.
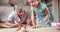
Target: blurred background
[[6, 6]]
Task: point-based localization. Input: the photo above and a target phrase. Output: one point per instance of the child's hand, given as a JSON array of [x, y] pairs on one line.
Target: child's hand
[[42, 22]]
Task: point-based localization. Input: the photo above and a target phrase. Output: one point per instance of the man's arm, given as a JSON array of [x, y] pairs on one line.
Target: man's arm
[[8, 23], [9, 19]]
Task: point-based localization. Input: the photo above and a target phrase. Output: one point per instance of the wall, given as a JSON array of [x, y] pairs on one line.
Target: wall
[[4, 2], [5, 11], [59, 9], [16, 1], [55, 9]]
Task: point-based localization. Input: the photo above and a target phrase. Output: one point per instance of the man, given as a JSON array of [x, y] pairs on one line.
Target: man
[[19, 17]]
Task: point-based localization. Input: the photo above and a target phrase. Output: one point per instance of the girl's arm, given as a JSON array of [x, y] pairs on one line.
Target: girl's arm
[[33, 20], [47, 14]]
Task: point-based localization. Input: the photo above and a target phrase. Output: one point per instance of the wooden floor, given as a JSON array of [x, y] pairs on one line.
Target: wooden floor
[[29, 29]]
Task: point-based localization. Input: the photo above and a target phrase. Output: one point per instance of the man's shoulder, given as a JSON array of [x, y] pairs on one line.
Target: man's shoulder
[[13, 13], [27, 14]]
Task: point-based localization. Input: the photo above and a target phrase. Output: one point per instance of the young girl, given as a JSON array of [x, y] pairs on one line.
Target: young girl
[[41, 12]]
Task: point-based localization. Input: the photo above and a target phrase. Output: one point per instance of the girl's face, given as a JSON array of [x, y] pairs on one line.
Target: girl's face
[[33, 3]]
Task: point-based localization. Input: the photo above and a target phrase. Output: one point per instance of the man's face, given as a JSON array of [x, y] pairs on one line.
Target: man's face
[[20, 12], [33, 3]]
